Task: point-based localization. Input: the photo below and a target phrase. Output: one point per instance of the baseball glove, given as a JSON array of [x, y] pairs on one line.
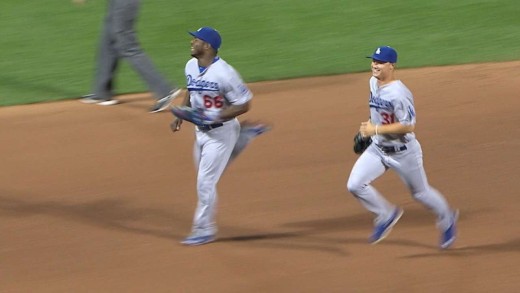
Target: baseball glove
[[361, 143], [195, 116]]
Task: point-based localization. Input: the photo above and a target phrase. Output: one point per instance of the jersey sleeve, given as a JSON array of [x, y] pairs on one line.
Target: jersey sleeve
[[404, 110], [236, 91]]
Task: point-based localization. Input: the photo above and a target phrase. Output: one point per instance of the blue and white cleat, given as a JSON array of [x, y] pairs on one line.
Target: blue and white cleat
[[198, 240], [382, 230], [449, 235]]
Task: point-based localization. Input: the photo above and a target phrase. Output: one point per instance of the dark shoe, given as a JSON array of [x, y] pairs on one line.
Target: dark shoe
[[92, 99], [163, 103]]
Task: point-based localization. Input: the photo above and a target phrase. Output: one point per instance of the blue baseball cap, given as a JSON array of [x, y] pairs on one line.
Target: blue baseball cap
[[208, 35], [385, 54]]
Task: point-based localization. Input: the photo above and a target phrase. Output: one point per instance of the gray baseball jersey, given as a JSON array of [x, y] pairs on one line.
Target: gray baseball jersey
[[391, 103]]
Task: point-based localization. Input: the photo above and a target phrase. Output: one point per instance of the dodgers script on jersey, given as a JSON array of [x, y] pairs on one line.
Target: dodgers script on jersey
[[391, 103], [215, 87]]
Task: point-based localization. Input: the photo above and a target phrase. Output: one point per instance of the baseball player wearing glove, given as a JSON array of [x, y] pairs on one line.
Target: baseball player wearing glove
[[394, 146], [216, 96]]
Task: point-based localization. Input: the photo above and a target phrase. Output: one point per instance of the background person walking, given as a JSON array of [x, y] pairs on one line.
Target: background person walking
[[119, 41]]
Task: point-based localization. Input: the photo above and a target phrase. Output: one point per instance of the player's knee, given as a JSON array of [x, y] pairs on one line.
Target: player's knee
[[421, 195], [127, 48], [418, 195], [128, 51], [203, 187], [355, 186], [206, 187]]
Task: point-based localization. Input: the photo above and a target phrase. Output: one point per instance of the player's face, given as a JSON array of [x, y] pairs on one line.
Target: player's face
[[197, 47], [381, 70]]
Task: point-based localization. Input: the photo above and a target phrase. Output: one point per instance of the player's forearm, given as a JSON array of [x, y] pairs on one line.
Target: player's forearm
[[186, 100], [234, 111], [394, 128]]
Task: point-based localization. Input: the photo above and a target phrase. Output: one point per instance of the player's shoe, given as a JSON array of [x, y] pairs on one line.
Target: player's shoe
[[194, 240], [92, 99], [253, 129], [163, 103], [382, 230], [449, 235]]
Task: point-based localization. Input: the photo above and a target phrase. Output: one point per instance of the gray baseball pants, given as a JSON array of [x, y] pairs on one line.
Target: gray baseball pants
[[119, 41]]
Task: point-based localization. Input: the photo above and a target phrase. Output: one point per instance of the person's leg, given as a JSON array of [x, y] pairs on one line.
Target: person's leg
[[212, 153], [411, 170], [106, 64], [367, 168], [248, 131], [128, 47]]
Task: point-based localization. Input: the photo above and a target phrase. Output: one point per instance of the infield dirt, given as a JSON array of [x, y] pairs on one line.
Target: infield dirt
[[96, 199]]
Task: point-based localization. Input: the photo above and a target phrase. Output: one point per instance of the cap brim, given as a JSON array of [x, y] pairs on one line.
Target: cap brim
[[195, 35], [372, 57], [385, 61]]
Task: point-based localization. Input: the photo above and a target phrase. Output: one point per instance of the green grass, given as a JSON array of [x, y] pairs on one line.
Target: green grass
[[48, 48]]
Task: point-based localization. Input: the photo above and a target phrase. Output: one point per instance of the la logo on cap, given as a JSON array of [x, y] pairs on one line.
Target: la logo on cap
[[378, 51]]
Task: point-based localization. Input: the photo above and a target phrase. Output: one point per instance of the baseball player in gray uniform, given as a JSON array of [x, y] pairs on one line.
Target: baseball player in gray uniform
[[215, 89], [394, 146]]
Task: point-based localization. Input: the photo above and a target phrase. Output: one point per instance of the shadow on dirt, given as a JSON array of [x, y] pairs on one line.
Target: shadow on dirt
[[115, 214], [477, 250]]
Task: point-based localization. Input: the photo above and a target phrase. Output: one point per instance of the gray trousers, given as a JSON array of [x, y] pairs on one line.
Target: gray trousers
[[119, 41]]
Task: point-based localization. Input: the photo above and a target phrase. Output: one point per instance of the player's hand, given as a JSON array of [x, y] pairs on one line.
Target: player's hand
[[367, 129], [176, 125]]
